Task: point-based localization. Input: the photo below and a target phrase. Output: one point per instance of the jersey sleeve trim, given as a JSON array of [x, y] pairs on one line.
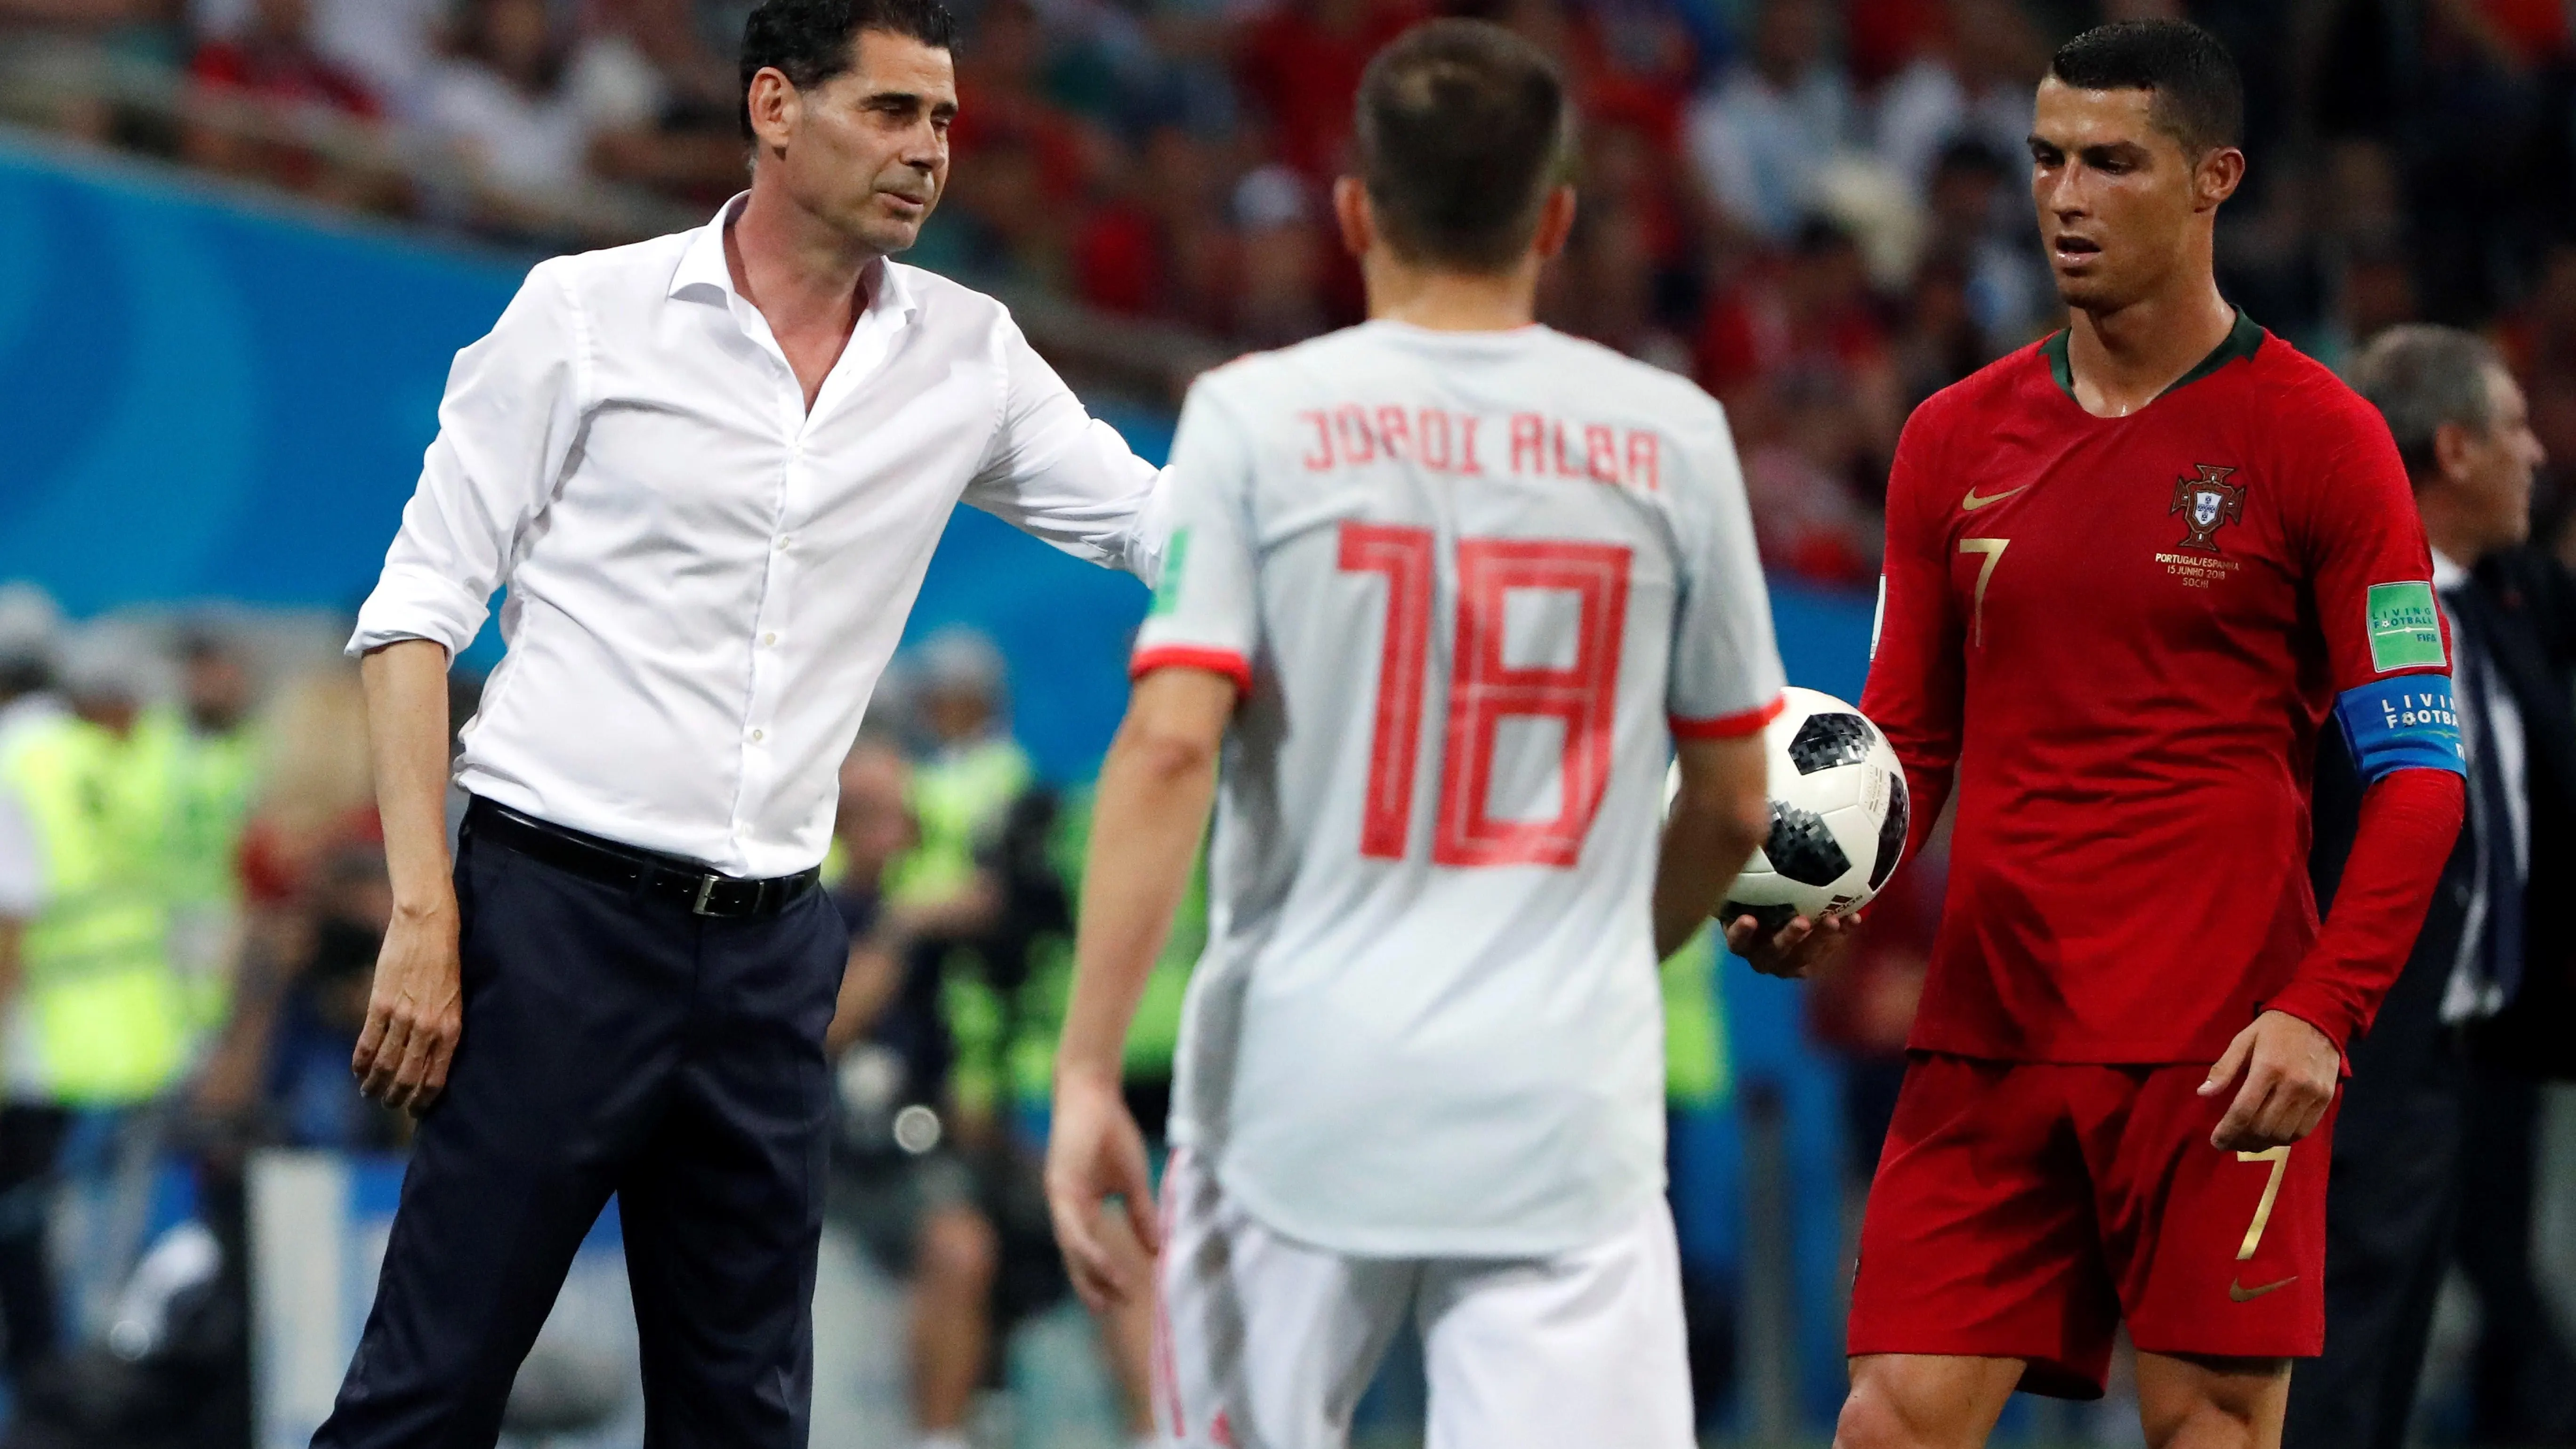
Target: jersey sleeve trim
[[1193, 656], [1729, 726]]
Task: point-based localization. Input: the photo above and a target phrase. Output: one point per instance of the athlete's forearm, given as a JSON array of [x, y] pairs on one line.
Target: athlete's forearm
[[1155, 789], [2409, 820], [406, 683], [1716, 823]]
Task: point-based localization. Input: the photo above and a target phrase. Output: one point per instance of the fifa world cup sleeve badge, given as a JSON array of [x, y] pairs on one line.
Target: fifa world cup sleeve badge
[[2207, 503]]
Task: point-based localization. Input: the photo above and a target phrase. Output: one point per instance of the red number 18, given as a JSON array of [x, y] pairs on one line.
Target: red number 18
[[1484, 691]]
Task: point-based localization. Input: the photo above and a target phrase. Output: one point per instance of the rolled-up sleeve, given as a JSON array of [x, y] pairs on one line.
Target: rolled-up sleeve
[[1061, 475], [505, 427]]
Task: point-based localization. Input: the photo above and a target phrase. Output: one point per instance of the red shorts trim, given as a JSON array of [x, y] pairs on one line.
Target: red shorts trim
[[1729, 726], [1191, 656], [2025, 1210]]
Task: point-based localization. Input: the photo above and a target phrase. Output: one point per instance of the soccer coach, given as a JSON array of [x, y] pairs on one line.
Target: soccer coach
[[711, 469]]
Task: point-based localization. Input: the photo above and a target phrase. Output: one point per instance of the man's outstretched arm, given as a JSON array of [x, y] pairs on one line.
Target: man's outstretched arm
[[1155, 789], [416, 1009]]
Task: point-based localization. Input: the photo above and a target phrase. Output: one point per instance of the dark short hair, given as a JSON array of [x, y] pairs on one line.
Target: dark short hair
[[1463, 128], [2198, 95], [811, 41], [2421, 377]]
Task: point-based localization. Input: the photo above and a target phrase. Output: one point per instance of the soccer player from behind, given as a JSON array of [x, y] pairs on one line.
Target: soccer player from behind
[[2131, 571], [1453, 589]]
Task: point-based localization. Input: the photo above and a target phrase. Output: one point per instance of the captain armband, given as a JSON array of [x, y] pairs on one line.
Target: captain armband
[[2401, 723]]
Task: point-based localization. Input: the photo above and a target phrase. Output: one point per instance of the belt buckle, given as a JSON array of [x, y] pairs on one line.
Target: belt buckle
[[706, 892]]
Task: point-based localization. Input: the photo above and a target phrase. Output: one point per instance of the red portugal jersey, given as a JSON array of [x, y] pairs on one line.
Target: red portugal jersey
[[2124, 634]]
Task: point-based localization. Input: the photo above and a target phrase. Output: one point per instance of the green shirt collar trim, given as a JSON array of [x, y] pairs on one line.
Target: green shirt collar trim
[[2242, 341]]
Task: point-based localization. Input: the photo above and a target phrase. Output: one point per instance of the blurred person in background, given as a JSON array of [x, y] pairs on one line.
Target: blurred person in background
[[944, 1018], [973, 768], [524, 103], [1975, 226], [1971, 84], [389, 46], [1279, 281], [311, 863], [2434, 1156], [30, 631], [1298, 65], [1806, 321], [1760, 132], [2539, 339], [214, 761], [304, 110], [94, 1016]]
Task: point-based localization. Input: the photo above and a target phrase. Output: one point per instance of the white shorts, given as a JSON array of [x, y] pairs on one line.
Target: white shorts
[[1266, 1343]]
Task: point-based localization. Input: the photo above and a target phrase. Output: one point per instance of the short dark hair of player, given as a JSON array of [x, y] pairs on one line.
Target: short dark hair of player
[[2198, 95], [1463, 129], [2421, 377], [811, 41]]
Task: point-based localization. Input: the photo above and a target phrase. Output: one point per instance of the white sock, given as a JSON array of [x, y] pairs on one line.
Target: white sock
[[944, 1439]]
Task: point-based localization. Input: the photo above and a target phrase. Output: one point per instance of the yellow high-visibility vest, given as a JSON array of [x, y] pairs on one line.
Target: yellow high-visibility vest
[[209, 779], [100, 1018]]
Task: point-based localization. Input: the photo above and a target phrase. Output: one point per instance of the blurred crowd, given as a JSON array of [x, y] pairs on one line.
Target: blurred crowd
[[1811, 206]]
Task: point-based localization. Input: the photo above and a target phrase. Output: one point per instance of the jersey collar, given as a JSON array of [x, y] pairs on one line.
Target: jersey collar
[[2241, 341]]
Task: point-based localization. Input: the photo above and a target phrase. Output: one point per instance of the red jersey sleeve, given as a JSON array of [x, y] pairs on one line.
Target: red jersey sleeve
[[2369, 569], [1916, 669], [2387, 649]]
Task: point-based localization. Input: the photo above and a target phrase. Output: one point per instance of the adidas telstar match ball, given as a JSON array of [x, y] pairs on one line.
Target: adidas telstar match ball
[[1838, 816]]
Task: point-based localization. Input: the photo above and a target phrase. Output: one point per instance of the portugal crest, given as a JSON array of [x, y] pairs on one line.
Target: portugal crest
[[2207, 503]]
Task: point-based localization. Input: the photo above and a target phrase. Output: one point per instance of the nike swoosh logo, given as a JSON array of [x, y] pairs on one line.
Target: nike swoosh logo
[[2236, 1294], [1972, 502]]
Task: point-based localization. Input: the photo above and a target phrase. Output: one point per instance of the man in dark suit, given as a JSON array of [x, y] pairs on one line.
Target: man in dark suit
[[2435, 1146]]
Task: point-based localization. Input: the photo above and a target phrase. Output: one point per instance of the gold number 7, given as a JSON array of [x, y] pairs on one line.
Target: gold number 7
[[1993, 549], [2279, 1157]]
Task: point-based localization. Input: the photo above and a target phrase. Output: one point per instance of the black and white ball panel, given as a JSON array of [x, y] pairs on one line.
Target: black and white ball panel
[[1827, 740]]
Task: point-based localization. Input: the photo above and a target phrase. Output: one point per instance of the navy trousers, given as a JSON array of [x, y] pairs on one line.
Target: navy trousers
[[613, 1043]]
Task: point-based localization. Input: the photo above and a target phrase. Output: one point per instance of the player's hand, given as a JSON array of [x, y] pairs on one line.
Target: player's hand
[[1796, 949], [415, 1012], [2291, 1071], [1094, 1154]]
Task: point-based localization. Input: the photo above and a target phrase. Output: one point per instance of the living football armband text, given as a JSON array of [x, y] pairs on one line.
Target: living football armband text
[[2401, 723]]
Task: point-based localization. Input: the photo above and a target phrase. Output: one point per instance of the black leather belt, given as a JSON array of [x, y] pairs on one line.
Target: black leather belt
[[664, 877]]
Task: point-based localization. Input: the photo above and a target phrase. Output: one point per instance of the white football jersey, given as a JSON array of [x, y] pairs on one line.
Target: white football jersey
[[1471, 584]]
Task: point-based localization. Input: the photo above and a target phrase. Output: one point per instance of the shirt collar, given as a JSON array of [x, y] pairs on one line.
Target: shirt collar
[[2447, 573], [702, 265], [702, 261], [2244, 338]]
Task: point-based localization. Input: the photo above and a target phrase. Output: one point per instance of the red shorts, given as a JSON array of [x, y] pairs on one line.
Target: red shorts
[[2023, 1210]]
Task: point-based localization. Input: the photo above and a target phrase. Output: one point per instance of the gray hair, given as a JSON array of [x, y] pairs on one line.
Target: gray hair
[[2421, 376]]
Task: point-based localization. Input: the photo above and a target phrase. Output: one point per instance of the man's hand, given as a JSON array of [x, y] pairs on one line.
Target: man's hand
[[414, 1014], [2291, 1071], [1796, 949], [1095, 1153]]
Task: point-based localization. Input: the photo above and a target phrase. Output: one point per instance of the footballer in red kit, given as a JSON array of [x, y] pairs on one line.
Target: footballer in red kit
[[2131, 572]]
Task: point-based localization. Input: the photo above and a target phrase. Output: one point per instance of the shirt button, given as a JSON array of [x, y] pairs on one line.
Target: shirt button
[[769, 641], [785, 539], [758, 735]]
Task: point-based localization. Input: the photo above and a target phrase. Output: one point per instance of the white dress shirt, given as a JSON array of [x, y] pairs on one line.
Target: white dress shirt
[[705, 579]]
